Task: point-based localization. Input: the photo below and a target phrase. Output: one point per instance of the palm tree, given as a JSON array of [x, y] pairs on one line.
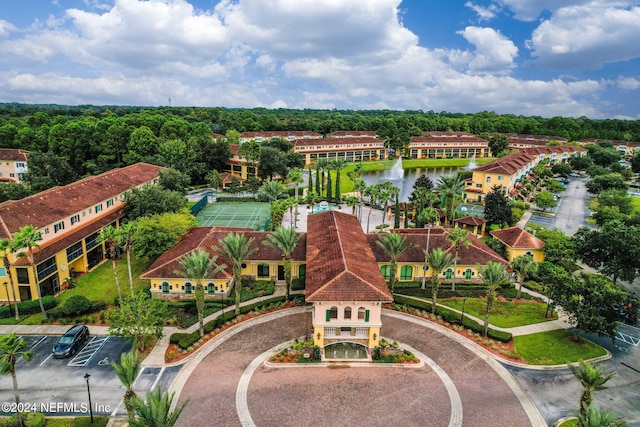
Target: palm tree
[[592, 379], [156, 411], [352, 202], [494, 275], [360, 186], [11, 349], [295, 176], [596, 417], [450, 187], [438, 260], [458, 237], [124, 239], [127, 371], [197, 265], [394, 244], [312, 198], [109, 237], [284, 240], [272, 190], [387, 193], [237, 248], [5, 246], [28, 238], [373, 193], [523, 266], [338, 165], [322, 165]]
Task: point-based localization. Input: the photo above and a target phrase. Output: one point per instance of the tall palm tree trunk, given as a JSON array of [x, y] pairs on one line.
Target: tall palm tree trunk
[[487, 314], [129, 269], [455, 268], [287, 276], [115, 275], [13, 295], [237, 285], [434, 296], [199, 296], [39, 292]]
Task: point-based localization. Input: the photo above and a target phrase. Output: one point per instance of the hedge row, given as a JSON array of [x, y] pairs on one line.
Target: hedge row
[[454, 318], [185, 340], [28, 307], [94, 306]]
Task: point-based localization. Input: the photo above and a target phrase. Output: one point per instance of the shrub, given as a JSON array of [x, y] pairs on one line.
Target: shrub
[[77, 304], [188, 340], [28, 307], [34, 419], [98, 305]]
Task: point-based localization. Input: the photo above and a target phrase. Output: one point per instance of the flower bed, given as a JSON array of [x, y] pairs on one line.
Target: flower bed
[[392, 353], [300, 351]]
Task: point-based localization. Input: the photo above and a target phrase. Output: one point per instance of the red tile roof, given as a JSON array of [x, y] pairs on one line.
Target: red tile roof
[[13, 154], [352, 134], [447, 134], [340, 263], [206, 238], [471, 220], [281, 134], [513, 162], [476, 254], [53, 247], [518, 238], [55, 204], [336, 141]]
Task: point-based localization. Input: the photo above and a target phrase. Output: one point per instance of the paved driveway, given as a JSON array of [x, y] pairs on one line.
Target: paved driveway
[[347, 396], [571, 212]]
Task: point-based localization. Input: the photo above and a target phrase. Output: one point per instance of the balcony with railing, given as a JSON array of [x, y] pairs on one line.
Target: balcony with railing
[[47, 271], [346, 332], [92, 243], [73, 255]]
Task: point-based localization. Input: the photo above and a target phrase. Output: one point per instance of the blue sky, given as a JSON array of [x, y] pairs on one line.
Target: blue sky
[[525, 57]]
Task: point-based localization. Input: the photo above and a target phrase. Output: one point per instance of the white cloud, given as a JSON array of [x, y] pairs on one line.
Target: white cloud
[[587, 36], [529, 10], [6, 28], [494, 52], [484, 13], [628, 83]]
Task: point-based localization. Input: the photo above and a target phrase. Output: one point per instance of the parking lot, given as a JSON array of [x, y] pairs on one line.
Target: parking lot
[[57, 386]]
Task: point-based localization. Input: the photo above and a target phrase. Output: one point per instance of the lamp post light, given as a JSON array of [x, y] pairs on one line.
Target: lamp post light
[[464, 300], [6, 292], [86, 377]]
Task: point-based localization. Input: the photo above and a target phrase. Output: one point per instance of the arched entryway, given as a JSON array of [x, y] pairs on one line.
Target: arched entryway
[[346, 350]]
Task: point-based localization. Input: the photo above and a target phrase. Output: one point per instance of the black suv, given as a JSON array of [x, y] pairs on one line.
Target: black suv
[[71, 341]]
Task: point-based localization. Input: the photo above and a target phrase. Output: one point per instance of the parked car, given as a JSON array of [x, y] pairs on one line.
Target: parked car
[[71, 341]]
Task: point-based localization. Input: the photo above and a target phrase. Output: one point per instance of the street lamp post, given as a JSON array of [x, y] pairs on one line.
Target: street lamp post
[[464, 300], [6, 292], [86, 377]]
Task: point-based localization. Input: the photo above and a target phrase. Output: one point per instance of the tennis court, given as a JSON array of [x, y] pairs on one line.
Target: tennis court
[[473, 210], [230, 214]]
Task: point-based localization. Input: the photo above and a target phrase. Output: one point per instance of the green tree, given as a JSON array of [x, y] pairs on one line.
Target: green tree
[[5, 248], [138, 318], [252, 184], [13, 191], [338, 165], [614, 249], [236, 185], [591, 379], [156, 234], [352, 202], [611, 181], [458, 238], [329, 184], [580, 163], [13, 348], [197, 266], [48, 170], [450, 187], [142, 145], [284, 240], [438, 260], [424, 182], [373, 192], [272, 190], [321, 167], [635, 162], [496, 206], [109, 237], [127, 371], [273, 163], [174, 180], [295, 176], [563, 169], [214, 179], [236, 248], [523, 266], [545, 200], [498, 144], [554, 186], [156, 410], [27, 238], [394, 245], [494, 275], [152, 200], [250, 150]]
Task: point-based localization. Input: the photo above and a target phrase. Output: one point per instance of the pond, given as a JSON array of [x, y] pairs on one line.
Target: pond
[[345, 350], [405, 182]]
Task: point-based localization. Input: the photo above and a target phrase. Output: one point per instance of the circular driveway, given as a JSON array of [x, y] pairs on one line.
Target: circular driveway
[[376, 395]]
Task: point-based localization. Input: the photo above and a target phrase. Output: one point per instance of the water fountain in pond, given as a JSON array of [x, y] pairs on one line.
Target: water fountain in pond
[[396, 172], [346, 350], [472, 163]]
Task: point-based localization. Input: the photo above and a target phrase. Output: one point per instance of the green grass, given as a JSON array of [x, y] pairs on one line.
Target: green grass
[[555, 348], [504, 314], [573, 422], [636, 203], [99, 284]]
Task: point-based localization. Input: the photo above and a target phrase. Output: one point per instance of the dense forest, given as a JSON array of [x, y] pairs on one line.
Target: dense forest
[[81, 140]]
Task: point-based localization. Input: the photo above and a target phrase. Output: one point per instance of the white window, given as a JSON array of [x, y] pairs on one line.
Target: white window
[[500, 178], [74, 219], [59, 226], [109, 203], [99, 208]]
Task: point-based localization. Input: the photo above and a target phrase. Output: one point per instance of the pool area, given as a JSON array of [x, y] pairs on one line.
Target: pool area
[[323, 207]]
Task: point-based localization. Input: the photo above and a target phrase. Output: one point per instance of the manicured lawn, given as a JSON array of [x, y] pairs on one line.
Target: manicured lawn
[[99, 284], [636, 203], [504, 314], [555, 348]]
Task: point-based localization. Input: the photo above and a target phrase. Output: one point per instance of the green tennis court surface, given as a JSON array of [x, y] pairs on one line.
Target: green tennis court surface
[[229, 214], [473, 210]]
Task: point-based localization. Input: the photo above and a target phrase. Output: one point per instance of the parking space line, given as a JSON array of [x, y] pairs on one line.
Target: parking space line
[[153, 386], [115, 411], [48, 357], [88, 352], [36, 344]]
